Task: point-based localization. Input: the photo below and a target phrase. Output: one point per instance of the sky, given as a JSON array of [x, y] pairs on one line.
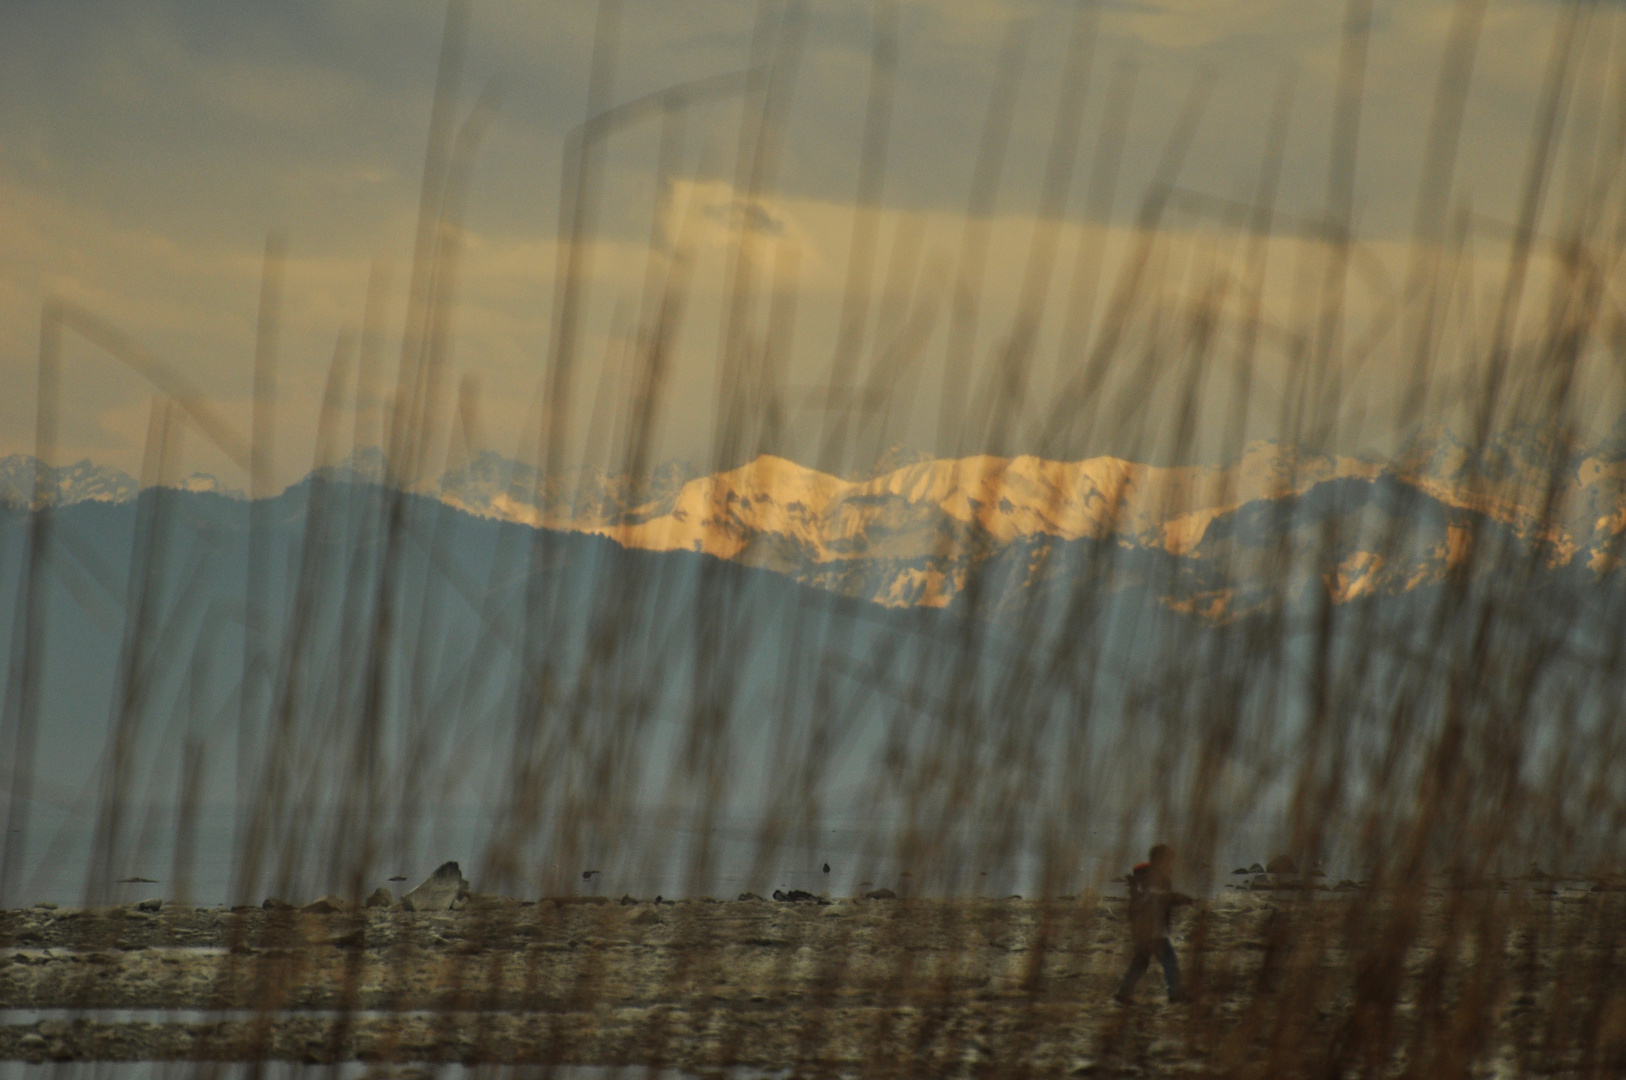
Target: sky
[[148, 148]]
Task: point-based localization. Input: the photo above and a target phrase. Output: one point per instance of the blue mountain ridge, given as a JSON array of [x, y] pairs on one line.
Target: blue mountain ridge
[[147, 602]]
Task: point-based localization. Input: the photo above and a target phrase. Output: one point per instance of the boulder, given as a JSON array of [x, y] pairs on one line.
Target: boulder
[[444, 890], [326, 905], [797, 896], [880, 894], [150, 905], [1244, 870], [381, 898], [1281, 864], [272, 903], [1255, 869], [749, 896]]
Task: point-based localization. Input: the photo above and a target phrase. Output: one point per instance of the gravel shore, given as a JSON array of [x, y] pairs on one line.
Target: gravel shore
[[877, 987]]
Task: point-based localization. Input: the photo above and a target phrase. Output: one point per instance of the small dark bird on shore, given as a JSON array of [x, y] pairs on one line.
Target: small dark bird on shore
[[826, 868]]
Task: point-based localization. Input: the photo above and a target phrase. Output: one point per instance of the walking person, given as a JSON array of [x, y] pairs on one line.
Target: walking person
[[1151, 898]]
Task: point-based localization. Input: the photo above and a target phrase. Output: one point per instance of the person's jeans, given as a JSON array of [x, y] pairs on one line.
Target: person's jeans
[[1164, 949]]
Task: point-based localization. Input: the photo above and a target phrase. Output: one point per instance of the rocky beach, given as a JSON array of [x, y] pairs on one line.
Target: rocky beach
[[1504, 979]]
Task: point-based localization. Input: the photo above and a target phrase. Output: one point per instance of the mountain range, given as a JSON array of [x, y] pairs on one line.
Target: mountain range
[[1212, 541], [770, 637]]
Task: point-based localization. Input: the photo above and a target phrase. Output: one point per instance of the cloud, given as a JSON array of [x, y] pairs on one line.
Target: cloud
[[148, 148], [1186, 24]]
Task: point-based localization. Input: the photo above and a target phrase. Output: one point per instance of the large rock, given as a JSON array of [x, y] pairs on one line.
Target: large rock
[[798, 896], [326, 905], [445, 889], [1278, 881]]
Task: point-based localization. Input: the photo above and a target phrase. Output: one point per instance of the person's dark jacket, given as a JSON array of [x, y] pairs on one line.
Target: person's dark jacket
[[1151, 898]]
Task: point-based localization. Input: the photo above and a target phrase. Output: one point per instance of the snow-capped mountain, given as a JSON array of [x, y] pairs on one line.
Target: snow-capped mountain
[[1224, 540], [580, 500], [1549, 489], [84, 481], [204, 483], [69, 484], [1217, 542], [908, 536], [364, 466]]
